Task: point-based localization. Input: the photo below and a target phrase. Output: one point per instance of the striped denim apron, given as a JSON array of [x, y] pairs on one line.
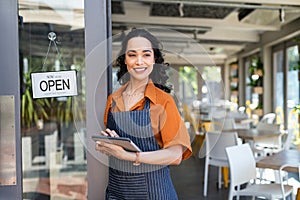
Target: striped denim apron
[[126, 181]]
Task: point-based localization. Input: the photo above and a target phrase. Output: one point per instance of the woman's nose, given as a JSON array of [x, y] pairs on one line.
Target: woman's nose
[[139, 60]]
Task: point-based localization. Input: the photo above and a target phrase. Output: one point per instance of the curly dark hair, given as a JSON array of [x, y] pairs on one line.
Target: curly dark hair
[[159, 73]]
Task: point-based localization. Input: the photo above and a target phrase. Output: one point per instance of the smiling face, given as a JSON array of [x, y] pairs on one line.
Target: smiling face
[[139, 58]]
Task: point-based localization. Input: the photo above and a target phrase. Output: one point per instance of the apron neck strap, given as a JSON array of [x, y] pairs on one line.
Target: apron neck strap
[[147, 104]]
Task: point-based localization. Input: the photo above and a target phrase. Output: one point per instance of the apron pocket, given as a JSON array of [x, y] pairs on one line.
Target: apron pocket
[[126, 186]]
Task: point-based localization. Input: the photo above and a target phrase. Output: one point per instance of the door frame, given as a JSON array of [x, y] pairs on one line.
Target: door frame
[[98, 82], [10, 85]]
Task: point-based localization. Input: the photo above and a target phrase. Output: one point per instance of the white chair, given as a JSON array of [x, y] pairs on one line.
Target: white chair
[[192, 124], [241, 120], [284, 141], [282, 175], [268, 145], [266, 126], [221, 123], [264, 147], [268, 118], [244, 124], [216, 142], [243, 169], [287, 138]]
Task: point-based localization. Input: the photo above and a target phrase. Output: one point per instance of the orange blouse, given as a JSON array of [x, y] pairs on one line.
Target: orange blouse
[[168, 127]]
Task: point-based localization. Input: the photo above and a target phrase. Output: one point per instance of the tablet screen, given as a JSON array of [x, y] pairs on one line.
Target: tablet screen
[[126, 143]]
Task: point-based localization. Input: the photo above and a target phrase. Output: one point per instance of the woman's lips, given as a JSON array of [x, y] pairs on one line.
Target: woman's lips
[[140, 69]]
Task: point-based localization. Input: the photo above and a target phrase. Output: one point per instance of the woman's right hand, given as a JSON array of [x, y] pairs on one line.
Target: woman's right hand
[[110, 149], [109, 132]]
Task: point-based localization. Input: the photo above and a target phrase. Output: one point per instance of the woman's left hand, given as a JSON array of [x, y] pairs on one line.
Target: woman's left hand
[[111, 150]]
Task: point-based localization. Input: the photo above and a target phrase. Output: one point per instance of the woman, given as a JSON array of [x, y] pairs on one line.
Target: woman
[[143, 111]]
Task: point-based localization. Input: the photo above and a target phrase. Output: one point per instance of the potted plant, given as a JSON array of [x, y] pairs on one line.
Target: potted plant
[[234, 65], [296, 65], [255, 72], [258, 90], [32, 110], [234, 79], [259, 70], [258, 110], [234, 90], [233, 72]]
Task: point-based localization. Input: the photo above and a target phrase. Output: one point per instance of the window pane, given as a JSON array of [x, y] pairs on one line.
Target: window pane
[[279, 86], [293, 94], [188, 86], [213, 81], [248, 89]]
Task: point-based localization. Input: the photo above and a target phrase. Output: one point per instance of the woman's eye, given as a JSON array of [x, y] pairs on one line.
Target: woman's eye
[[147, 55], [131, 55]]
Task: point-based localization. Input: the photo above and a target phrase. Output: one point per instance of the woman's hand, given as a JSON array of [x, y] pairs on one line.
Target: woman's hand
[[109, 132], [113, 150]]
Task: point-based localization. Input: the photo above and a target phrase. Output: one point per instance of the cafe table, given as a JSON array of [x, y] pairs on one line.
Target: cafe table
[[254, 134], [276, 160]]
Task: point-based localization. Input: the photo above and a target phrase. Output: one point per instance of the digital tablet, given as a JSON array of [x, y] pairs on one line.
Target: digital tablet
[[126, 143]]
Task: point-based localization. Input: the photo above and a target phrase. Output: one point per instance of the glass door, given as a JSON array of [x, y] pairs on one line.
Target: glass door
[[51, 39]]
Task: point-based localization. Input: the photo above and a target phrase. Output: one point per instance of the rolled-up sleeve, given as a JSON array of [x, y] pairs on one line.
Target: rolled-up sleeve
[[171, 128]]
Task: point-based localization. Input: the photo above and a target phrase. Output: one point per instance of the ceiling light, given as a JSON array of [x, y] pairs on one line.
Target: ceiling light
[[281, 15], [180, 9], [244, 13]]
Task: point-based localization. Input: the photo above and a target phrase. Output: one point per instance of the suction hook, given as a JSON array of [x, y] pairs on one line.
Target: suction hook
[[52, 36]]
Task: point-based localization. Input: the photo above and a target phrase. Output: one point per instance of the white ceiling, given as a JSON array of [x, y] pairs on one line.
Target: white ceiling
[[223, 38], [186, 39]]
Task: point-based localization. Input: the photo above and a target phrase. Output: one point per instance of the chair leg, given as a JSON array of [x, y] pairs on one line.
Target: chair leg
[[238, 189], [205, 179], [230, 196], [220, 178], [298, 194], [197, 144], [232, 193], [292, 195], [261, 172], [225, 176]]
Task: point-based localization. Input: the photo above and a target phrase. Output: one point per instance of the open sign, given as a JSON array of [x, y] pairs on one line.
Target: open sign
[[54, 84]]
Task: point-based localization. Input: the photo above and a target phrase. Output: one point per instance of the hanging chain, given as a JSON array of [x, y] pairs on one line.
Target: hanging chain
[[52, 38]]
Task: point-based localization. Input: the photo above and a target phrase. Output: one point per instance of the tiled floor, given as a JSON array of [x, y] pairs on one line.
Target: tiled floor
[[188, 180]]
